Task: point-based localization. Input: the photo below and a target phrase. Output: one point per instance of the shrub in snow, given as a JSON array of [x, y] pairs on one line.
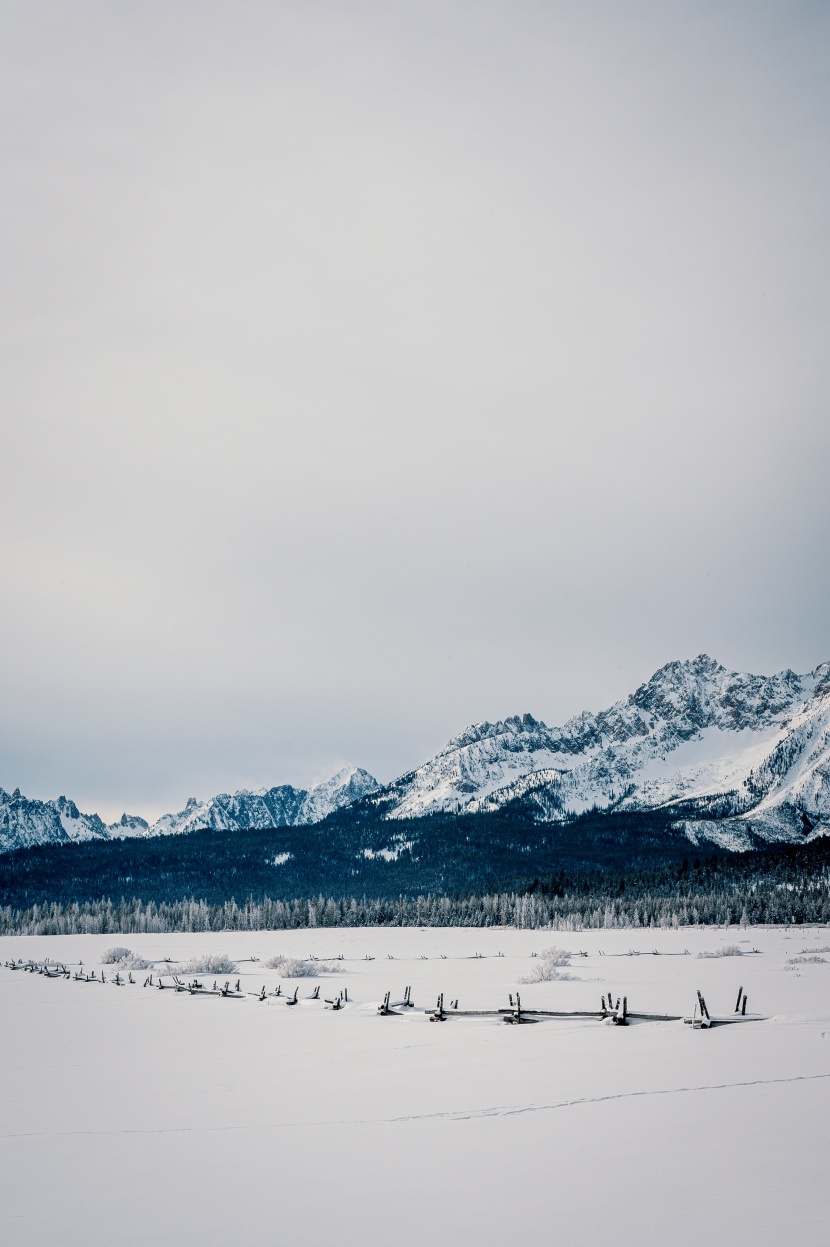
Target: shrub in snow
[[209, 963], [124, 959], [134, 962], [727, 950], [547, 967], [294, 968], [112, 955]]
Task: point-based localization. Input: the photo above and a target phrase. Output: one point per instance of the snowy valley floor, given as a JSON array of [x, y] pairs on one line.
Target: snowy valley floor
[[132, 1116]]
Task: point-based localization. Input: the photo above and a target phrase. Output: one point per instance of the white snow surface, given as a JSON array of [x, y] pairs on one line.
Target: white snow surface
[[146, 1118]]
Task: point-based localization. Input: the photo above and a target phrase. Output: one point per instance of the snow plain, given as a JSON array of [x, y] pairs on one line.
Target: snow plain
[[132, 1116]]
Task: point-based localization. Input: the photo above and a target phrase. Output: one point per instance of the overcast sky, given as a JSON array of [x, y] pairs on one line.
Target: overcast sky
[[370, 369]]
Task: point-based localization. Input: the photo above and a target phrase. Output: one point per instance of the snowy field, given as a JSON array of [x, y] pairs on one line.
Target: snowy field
[[132, 1116]]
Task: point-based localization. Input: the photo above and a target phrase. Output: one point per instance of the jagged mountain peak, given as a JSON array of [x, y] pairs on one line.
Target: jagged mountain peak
[[25, 822], [350, 784], [692, 695], [820, 679], [347, 775], [688, 693], [130, 824], [693, 732], [514, 725], [683, 675]]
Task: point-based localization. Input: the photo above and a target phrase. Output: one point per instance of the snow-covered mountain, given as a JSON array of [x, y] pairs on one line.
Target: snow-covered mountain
[[736, 758], [740, 756], [24, 822], [283, 806]]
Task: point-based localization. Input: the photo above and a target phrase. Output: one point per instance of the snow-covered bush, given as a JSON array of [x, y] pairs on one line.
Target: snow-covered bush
[[134, 962], [207, 963], [112, 955], [124, 959], [297, 968], [726, 950], [547, 967]]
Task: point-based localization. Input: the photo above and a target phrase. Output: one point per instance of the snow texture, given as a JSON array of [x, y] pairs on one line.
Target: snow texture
[[150, 1118]]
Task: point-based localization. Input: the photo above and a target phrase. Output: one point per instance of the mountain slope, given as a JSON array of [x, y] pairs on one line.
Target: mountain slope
[[740, 755]]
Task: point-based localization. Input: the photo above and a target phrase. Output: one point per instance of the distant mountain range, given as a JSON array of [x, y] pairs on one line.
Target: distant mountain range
[[24, 822], [735, 759]]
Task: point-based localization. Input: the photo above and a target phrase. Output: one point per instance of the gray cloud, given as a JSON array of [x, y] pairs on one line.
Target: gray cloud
[[369, 369]]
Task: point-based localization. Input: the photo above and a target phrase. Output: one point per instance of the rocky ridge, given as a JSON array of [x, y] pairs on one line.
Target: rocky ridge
[[742, 756], [24, 822], [737, 758]]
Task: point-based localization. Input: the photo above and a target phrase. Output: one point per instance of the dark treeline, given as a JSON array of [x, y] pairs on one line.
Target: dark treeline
[[356, 853], [783, 885]]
